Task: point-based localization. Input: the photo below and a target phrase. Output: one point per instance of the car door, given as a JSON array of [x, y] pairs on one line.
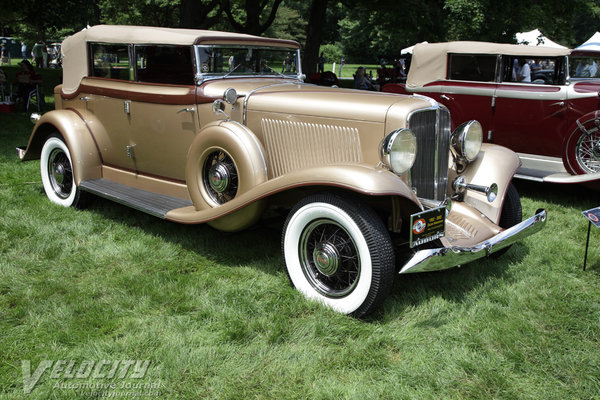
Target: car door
[[163, 110], [469, 90], [103, 97], [531, 117]]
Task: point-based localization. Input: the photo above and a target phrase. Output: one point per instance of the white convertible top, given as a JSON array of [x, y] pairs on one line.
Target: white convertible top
[[74, 48], [430, 60]]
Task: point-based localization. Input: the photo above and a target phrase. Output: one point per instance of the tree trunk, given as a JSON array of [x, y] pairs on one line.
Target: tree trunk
[[254, 9], [193, 14], [314, 36]]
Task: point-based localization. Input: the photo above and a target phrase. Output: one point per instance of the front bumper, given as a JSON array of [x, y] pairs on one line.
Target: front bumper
[[447, 257]]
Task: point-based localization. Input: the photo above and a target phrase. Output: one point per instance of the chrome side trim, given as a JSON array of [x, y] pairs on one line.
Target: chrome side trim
[[447, 257], [568, 178]]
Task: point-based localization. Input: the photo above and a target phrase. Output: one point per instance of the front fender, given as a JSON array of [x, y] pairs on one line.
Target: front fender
[[84, 152], [494, 164], [361, 179]]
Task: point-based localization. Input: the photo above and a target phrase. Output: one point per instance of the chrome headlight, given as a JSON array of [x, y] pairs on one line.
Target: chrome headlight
[[467, 138], [399, 150]]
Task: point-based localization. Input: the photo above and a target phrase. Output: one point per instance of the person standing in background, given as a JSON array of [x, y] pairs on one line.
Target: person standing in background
[[38, 54], [24, 50], [3, 56]]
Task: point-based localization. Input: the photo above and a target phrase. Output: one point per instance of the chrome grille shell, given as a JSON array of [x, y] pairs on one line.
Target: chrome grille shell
[[429, 174]]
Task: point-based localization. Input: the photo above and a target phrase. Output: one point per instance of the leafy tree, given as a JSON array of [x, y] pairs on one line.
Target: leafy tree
[[252, 20], [140, 12], [199, 14]]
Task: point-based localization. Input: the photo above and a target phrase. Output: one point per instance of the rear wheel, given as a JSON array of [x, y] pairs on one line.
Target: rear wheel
[[583, 148], [338, 252], [56, 169]]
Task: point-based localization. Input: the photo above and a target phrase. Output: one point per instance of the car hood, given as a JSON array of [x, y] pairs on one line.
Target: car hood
[[295, 98]]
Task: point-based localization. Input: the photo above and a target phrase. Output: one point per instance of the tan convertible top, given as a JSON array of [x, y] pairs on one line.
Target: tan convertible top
[[430, 60], [74, 48]]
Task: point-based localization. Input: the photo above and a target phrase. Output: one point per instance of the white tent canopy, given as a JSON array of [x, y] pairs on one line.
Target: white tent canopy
[[410, 49], [536, 38], [592, 44]]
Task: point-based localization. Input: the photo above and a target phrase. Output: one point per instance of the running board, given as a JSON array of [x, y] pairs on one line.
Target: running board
[[142, 200]]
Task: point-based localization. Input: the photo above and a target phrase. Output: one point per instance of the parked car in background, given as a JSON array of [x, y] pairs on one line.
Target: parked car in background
[[54, 55], [213, 127], [552, 122]]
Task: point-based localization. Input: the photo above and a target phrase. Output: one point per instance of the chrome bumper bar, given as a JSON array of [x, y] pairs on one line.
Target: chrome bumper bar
[[447, 257]]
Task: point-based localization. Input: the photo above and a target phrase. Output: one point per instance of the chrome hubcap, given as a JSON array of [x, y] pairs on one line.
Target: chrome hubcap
[[326, 259], [220, 177]]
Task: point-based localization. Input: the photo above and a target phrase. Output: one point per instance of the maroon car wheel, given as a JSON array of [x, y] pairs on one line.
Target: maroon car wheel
[[583, 147]]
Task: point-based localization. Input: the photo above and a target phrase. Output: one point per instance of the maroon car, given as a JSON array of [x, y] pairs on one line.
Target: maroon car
[[541, 102]]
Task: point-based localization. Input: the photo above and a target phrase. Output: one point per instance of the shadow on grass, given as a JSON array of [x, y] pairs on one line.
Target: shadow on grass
[[578, 196], [260, 247]]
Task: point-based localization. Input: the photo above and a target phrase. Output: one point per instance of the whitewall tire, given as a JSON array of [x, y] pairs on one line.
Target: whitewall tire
[[56, 168], [337, 251]]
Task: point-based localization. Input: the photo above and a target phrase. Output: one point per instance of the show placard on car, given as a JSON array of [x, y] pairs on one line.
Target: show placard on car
[[427, 226]]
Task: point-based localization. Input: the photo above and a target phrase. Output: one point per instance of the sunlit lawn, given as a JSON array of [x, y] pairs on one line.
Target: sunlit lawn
[[216, 317]]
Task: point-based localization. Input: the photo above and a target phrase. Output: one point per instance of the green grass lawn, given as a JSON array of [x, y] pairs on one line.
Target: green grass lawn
[[215, 315]]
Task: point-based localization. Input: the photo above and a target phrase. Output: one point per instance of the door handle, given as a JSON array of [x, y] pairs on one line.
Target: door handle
[[85, 98], [191, 109], [444, 97], [558, 103]]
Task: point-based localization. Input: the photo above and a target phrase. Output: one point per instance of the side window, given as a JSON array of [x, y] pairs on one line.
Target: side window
[[109, 61], [472, 67], [584, 67], [164, 64], [542, 71]]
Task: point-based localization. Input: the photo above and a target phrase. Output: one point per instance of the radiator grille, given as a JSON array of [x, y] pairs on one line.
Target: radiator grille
[[291, 145], [429, 175]]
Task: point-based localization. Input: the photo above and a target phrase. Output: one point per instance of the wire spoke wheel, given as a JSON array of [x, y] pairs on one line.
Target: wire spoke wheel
[[58, 176], [60, 173], [587, 151], [220, 177], [329, 258], [338, 251]]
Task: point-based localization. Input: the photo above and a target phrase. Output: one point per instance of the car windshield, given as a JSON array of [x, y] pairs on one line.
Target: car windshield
[[584, 67], [223, 61]]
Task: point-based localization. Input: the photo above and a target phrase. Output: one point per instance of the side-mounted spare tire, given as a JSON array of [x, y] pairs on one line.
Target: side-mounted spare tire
[[225, 160]]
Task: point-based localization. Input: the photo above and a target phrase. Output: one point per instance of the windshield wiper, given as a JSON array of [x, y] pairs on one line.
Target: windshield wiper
[[230, 72], [277, 72]]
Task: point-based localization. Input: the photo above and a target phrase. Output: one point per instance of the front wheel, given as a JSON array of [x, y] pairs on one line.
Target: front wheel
[[512, 213], [57, 173], [338, 252]]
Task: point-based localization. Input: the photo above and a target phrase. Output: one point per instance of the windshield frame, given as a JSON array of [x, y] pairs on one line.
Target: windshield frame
[[202, 77]]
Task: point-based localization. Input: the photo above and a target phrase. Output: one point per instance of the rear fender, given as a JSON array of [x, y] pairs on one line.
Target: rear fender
[[84, 152]]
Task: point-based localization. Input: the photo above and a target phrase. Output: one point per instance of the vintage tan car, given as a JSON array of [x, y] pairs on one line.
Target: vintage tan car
[[210, 127]]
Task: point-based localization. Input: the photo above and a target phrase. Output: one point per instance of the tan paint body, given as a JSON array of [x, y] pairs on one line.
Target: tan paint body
[[284, 135]]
